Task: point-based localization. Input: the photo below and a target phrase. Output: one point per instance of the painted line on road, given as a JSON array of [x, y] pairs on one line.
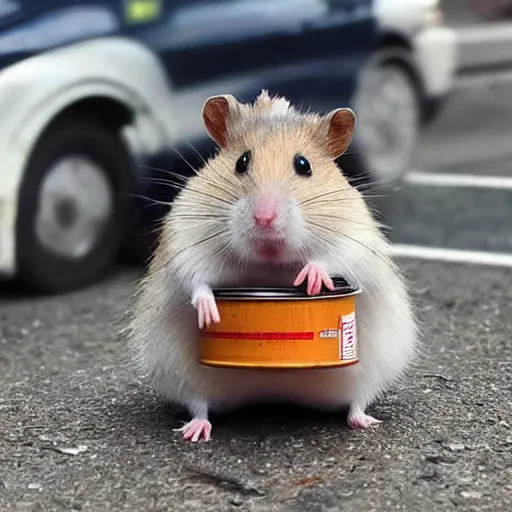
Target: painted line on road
[[491, 259], [437, 179]]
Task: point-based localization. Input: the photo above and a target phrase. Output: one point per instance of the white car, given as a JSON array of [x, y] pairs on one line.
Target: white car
[[404, 83]]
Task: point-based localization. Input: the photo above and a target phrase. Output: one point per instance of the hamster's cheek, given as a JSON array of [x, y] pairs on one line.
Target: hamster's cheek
[[239, 221], [294, 226]]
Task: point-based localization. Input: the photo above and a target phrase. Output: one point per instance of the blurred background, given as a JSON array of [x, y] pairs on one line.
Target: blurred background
[[99, 99]]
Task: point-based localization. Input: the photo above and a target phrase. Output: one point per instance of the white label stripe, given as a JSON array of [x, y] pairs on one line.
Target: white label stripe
[[485, 258], [437, 179]]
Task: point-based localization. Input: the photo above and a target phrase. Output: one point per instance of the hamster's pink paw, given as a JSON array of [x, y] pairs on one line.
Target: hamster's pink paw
[[316, 276], [361, 420], [207, 311], [196, 428]]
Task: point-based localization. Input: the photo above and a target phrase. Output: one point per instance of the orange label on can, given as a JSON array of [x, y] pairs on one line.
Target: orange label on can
[[348, 337]]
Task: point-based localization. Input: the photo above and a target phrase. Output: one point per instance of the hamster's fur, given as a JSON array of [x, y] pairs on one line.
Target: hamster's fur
[[214, 236]]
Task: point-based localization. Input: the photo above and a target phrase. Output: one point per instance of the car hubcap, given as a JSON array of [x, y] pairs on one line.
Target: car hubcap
[[74, 206], [387, 109]]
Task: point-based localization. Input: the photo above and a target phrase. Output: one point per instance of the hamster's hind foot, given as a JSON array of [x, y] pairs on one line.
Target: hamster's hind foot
[[358, 419], [316, 277], [196, 428]]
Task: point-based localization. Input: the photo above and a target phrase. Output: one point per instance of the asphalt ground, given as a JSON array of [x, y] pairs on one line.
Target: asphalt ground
[[79, 432]]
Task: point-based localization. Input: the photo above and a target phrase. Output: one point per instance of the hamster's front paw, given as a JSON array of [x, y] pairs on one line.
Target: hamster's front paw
[[316, 277], [207, 311]]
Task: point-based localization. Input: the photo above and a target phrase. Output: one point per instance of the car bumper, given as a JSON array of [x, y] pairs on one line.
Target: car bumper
[[436, 60]]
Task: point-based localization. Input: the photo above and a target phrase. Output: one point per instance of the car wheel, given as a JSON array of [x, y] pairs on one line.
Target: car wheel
[[72, 205], [388, 108]]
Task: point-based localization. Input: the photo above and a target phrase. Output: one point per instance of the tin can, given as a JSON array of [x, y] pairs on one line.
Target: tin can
[[282, 328]]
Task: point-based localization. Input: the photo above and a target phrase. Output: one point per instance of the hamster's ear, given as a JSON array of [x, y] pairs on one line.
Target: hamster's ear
[[341, 124], [218, 111]]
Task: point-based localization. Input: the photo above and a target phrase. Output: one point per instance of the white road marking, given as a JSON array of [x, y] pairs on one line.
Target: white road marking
[[437, 179], [491, 259]]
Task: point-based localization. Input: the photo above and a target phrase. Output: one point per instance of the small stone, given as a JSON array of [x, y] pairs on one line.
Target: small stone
[[471, 495], [456, 447], [72, 451], [236, 501], [439, 459], [428, 475], [34, 486]]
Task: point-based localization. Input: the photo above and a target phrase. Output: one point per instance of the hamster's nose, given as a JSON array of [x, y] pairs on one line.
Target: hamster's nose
[[265, 218], [265, 209]]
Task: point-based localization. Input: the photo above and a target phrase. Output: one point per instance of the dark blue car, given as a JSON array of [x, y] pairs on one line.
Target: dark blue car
[[95, 94]]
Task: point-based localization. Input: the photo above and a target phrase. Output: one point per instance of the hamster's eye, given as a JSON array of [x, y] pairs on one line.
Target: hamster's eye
[[242, 164], [301, 165]]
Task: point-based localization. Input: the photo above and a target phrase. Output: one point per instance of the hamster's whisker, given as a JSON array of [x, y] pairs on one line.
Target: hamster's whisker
[[211, 196], [196, 171], [210, 182], [196, 152], [339, 233], [163, 181], [371, 196], [156, 229], [330, 193], [200, 216], [151, 204], [227, 250], [357, 179], [343, 219], [153, 201], [181, 186], [198, 206], [165, 171], [337, 200], [185, 160], [338, 191], [323, 242], [206, 239], [210, 207], [364, 186]]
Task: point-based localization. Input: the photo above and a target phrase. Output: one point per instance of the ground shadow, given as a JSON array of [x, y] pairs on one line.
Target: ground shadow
[[156, 417]]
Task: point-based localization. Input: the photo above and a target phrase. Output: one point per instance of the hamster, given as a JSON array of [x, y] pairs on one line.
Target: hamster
[[271, 208]]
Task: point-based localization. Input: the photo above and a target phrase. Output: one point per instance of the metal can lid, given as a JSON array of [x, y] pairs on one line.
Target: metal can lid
[[341, 289]]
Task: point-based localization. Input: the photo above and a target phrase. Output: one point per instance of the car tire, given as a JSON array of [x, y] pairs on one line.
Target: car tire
[[388, 106], [72, 205]]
